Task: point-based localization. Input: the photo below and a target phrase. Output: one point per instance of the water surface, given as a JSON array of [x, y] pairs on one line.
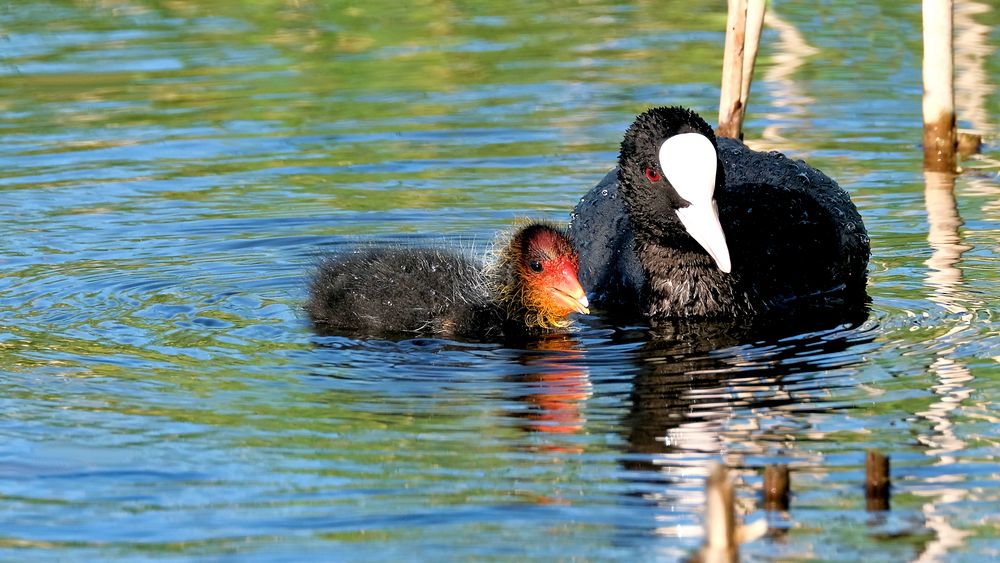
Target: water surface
[[169, 170]]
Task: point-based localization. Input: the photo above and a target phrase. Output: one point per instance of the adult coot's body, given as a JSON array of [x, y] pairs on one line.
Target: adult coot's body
[[688, 225], [530, 286]]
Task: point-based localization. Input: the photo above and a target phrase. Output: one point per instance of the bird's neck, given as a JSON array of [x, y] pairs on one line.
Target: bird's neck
[[684, 281]]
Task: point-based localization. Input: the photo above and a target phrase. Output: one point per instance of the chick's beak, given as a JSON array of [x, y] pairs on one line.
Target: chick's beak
[[568, 291]]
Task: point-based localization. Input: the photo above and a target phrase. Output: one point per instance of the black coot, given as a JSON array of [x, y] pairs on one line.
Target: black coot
[[529, 286], [691, 226]]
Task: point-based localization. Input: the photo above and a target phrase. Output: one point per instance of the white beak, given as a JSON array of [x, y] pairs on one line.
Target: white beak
[[689, 162]]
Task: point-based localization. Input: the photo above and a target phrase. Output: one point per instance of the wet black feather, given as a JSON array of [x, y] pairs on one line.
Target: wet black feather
[[384, 291]]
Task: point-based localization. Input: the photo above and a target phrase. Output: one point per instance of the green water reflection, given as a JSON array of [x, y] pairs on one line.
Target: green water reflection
[[170, 169]]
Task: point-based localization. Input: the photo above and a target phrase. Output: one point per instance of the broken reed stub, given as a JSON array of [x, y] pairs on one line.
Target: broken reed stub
[[723, 535], [940, 144], [877, 481], [730, 105], [721, 544], [969, 144], [776, 486], [940, 136]]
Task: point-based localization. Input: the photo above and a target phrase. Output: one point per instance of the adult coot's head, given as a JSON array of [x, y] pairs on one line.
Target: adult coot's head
[[535, 276], [667, 173]]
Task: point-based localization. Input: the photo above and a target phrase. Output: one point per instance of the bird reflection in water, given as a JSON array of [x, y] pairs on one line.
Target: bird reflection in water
[[696, 376], [555, 388], [708, 391]]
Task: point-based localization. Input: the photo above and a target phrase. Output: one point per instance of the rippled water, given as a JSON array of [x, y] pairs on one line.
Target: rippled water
[[169, 170]]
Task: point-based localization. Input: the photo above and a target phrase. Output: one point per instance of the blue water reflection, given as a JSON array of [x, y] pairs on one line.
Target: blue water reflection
[[170, 171]]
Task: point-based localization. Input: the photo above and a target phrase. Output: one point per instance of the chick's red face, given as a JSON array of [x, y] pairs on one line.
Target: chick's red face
[[550, 268]]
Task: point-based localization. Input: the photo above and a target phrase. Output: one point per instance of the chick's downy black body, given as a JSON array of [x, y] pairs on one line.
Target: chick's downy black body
[[530, 286], [793, 240], [402, 290]]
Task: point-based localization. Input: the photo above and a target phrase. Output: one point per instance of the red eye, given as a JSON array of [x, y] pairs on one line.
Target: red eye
[[653, 175]]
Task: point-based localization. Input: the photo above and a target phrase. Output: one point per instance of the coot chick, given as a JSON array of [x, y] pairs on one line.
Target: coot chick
[[529, 285], [689, 225]]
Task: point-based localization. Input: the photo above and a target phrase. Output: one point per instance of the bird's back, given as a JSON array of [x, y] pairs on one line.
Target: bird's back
[[796, 232], [397, 290]]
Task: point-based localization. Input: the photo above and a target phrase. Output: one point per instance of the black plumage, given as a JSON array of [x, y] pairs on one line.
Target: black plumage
[[529, 286], [796, 240]]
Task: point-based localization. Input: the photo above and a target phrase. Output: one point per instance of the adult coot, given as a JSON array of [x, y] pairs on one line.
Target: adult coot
[[528, 286], [689, 225]]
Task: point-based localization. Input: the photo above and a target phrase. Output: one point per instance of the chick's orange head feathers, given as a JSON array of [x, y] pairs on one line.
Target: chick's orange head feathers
[[549, 265]]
